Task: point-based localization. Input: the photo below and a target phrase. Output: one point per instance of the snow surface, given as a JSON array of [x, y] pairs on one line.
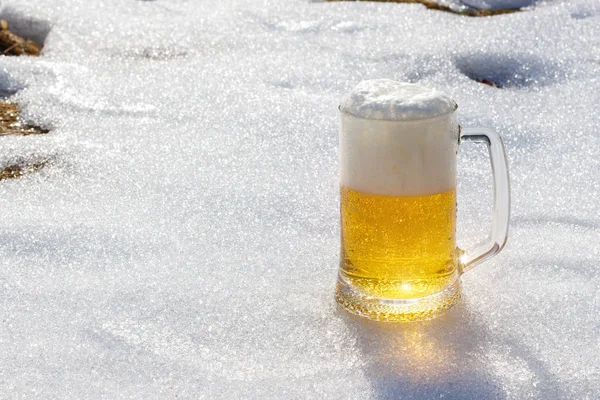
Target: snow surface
[[495, 4], [183, 242]]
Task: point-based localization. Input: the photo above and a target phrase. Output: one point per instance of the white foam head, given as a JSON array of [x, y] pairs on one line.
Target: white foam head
[[398, 139], [397, 101]]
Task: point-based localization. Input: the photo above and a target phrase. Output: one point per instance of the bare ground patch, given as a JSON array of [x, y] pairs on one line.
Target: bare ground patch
[[18, 170], [12, 44], [12, 124]]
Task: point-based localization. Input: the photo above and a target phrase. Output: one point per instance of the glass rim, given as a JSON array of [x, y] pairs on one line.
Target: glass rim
[[444, 115]]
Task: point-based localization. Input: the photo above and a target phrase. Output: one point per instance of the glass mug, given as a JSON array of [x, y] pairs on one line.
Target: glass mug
[[399, 260]]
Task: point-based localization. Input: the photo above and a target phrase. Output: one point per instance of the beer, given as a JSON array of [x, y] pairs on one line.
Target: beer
[[398, 247], [398, 256], [397, 202]]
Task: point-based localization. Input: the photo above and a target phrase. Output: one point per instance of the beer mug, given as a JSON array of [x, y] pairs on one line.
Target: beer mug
[[398, 144]]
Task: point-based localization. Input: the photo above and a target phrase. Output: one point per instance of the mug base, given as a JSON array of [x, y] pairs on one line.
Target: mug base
[[396, 310]]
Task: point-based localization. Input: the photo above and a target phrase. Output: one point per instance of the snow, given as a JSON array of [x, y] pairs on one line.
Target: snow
[[183, 239], [496, 4]]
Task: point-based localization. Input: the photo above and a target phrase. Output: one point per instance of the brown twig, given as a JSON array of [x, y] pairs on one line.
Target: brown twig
[[10, 48]]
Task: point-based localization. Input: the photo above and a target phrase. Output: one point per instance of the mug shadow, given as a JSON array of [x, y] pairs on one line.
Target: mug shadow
[[425, 360]]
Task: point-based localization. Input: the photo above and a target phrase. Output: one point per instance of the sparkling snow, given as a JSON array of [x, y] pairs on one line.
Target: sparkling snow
[[183, 240]]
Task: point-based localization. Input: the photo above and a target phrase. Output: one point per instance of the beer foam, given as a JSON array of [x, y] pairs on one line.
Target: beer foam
[[398, 139], [398, 101]]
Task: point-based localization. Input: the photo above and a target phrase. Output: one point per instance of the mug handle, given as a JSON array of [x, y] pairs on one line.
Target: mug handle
[[495, 242]]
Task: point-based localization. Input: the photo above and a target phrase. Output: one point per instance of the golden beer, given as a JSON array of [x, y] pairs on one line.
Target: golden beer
[[398, 247], [397, 155]]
